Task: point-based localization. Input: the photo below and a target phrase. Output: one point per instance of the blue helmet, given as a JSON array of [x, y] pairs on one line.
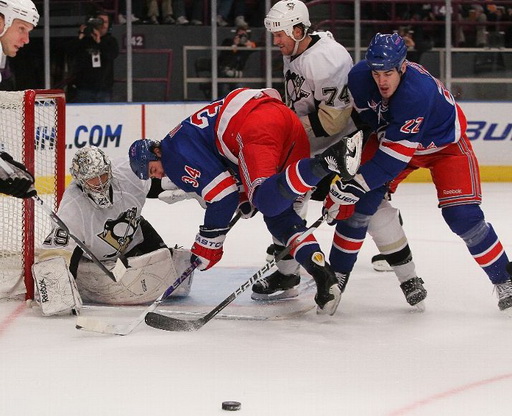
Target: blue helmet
[[386, 52], [141, 153]]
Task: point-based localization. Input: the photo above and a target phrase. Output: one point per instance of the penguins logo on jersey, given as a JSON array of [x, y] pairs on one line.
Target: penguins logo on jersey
[[119, 233], [294, 91]]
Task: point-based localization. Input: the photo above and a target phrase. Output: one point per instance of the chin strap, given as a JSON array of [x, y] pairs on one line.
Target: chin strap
[[297, 42]]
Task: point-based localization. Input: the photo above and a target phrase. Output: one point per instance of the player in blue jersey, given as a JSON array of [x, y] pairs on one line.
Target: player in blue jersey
[[249, 138], [315, 69], [418, 125]]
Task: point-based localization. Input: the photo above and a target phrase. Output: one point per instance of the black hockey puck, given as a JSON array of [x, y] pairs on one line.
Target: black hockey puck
[[231, 405]]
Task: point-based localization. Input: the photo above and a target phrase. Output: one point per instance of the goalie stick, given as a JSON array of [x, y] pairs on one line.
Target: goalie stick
[[116, 276], [168, 323], [96, 325]]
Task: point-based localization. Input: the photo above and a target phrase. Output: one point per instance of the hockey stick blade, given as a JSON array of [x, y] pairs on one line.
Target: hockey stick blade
[[168, 323], [290, 304]]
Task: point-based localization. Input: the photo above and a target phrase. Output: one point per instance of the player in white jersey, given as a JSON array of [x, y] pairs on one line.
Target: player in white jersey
[[102, 208], [17, 19], [316, 89], [316, 71]]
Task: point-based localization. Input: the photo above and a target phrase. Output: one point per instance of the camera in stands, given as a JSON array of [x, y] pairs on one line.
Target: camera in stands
[[91, 24]]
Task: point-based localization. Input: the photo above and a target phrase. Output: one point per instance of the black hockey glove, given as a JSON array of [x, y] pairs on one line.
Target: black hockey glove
[[15, 180]]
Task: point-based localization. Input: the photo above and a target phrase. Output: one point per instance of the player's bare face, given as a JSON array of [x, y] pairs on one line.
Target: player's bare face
[[284, 42], [387, 81], [156, 170], [16, 37]]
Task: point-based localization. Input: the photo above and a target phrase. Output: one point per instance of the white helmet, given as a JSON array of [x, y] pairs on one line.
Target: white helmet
[[285, 14], [18, 9], [89, 163]]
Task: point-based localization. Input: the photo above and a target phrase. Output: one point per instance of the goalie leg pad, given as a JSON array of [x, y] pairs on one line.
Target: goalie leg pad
[[146, 278], [56, 287]]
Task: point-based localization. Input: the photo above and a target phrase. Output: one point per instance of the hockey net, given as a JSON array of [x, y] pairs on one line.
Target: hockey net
[[32, 131]]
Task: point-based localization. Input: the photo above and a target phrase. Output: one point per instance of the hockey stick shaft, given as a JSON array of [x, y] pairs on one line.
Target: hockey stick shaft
[[167, 323], [94, 325], [55, 218]]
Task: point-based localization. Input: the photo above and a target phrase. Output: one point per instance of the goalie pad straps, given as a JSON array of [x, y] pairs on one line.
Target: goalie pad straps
[[146, 278], [56, 287]]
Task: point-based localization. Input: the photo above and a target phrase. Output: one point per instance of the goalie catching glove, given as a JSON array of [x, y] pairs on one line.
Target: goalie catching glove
[[342, 197], [15, 180], [208, 247]]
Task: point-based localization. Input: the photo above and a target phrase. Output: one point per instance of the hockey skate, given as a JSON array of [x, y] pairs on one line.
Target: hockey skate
[[328, 293], [380, 264], [504, 292], [414, 292], [344, 157], [277, 286], [342, 280]]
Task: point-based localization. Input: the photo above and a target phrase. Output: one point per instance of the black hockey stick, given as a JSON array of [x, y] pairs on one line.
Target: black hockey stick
[[55, 218], [169, 323], [95, 325]]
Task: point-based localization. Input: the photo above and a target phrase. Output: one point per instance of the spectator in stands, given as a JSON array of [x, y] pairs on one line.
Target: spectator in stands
[[227, 7], [173, 12], [232, 62], [122, 17], [195, 12], [92, 56], [477, 14], [495, 34]]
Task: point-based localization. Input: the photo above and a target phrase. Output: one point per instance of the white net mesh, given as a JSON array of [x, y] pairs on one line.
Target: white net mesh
[[22, 229]]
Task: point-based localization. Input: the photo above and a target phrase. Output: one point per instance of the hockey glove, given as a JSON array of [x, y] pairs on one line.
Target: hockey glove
[[343, 195], [208, 246], [344, 157], [178, 195], [245, 208], [15, 180]]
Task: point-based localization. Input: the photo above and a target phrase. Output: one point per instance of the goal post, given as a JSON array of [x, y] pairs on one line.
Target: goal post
[[32, 131]]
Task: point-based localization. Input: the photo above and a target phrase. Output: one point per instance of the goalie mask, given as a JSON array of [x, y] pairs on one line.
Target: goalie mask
[[286, 14], [92, 170], [18, 9]]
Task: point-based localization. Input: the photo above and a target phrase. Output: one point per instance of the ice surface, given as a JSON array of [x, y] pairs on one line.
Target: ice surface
[[376, 356]]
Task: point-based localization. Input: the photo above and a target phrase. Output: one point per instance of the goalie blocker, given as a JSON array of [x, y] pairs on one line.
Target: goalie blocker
[[147, 276]]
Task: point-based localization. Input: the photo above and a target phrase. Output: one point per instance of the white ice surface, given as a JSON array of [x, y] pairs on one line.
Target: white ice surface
[[376, 356]]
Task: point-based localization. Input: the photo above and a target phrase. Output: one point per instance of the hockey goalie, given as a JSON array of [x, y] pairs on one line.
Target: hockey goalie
[[102, 208]]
